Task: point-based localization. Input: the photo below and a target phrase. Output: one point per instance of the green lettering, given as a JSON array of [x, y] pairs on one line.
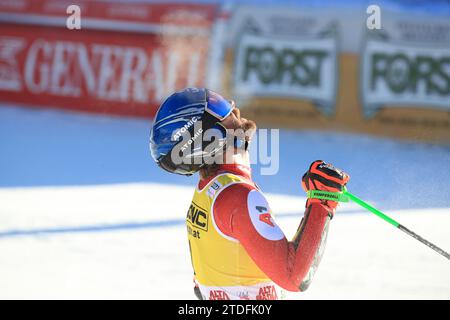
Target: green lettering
[[379, 69], [268, 66], [398, 73], [251, 61]]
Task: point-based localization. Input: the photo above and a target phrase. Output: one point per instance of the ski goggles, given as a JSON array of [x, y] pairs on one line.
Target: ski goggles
[[217, 106]]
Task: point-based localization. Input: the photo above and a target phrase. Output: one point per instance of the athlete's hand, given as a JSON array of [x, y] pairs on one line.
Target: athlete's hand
[[324, 176]]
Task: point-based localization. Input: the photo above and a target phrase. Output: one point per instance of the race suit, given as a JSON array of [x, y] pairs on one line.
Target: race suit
[[237, 249]]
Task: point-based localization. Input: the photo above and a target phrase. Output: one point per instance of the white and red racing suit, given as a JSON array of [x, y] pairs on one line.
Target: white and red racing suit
[[237, 249]]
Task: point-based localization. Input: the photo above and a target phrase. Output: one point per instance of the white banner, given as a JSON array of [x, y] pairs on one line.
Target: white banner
[[402, 75], [287, 67]]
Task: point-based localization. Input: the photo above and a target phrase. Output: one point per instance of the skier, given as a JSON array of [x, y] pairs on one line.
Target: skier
[[237, 249]]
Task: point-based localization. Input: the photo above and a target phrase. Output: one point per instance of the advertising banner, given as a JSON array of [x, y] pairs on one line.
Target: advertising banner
[[100, 68], [400, 75], [301, 67], [276, 67], [287, 65]]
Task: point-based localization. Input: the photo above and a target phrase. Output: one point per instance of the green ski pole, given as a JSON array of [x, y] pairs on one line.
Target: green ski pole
[[345, 196]]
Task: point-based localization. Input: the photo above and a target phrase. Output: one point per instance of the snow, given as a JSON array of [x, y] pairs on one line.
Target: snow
[[84, 213], [51, 148]]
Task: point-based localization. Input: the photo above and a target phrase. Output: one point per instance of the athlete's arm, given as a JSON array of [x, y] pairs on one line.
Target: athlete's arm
[[242, 212]]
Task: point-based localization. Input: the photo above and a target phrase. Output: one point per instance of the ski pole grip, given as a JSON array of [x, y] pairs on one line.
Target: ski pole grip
[[327, 195]]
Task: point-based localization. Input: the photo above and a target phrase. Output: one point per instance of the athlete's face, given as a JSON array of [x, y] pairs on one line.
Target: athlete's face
[[235, 121]]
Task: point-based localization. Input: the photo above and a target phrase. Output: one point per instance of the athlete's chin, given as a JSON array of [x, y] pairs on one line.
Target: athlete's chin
[[249, 125], [249, 128]]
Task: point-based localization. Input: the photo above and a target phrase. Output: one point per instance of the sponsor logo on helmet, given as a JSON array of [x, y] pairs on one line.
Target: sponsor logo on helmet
[[191, 140], [184, 129]]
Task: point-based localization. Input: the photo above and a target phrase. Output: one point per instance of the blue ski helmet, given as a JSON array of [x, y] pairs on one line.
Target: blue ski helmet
[[181, 113]]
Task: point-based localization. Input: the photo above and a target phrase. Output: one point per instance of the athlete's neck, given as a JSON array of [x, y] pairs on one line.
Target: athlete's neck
[[242, 158], [239, 165]]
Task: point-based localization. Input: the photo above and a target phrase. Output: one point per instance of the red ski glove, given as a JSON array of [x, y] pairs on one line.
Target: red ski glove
[[325, 177]]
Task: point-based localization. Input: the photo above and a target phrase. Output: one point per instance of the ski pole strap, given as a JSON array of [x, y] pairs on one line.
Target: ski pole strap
[[327, 195]]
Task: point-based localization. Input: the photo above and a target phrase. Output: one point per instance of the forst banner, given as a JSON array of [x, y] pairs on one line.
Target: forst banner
[[322, 68], [125, 59], [306, 67]]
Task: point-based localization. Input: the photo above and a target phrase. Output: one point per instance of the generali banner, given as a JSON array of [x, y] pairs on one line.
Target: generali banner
[[124, 60]]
